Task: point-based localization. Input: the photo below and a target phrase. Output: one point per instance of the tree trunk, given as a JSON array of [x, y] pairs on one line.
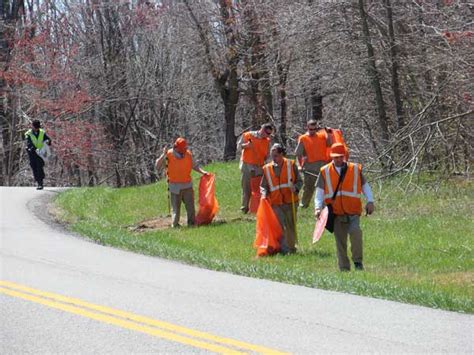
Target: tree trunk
[[316, 105], [283, 115], [374, 75], [283, 69], [230, 97], [394, 60], [260, 86], [226, 81]]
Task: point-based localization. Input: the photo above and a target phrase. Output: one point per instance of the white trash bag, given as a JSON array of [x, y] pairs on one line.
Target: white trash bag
[[45, 153]]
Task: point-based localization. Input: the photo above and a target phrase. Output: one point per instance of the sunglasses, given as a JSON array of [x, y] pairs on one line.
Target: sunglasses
[[268, 131]]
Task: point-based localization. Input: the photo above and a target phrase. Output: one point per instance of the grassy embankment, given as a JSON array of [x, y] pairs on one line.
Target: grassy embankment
[[418, 246]]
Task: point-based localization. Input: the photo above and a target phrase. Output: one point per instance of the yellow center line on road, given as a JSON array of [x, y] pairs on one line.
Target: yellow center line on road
[[131, 321]]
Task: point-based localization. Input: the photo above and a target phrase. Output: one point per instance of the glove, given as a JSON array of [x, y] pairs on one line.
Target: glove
[[317, 213]]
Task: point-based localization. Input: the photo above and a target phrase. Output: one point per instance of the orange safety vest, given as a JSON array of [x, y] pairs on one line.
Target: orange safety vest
[[348, 200], [279, 186], [179, 170], [335, 136], [255, 155], [315, 146]]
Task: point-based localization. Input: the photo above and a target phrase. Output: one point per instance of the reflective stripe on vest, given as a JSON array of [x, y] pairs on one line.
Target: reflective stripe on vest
[[348, 200], [328, 182], [280, 193], [37, 141], [270, 180]]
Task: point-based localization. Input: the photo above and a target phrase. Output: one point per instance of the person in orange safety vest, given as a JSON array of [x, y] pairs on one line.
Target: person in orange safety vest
[[347, 205], [180, 185], [311, 152], [255, 147], [281, 183]]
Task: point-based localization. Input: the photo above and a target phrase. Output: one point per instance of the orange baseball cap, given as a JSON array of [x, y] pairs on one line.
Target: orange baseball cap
[[181, 145], [337, 150]]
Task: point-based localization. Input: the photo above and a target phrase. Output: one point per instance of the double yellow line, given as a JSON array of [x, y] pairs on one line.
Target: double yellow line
[[133, 322]]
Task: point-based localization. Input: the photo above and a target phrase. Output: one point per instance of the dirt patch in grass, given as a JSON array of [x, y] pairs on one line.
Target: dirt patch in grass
[[159, 223], [162, 223], [461, 278]]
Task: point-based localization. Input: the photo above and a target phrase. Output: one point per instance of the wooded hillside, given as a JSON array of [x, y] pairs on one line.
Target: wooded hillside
[[114, 81]]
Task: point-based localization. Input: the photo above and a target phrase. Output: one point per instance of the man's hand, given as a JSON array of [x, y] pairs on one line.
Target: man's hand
[[163, 155], [369, 208], [48, 142], [248, 145], [317, 213]]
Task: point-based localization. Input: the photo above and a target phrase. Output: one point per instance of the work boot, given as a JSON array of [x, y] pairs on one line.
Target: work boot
[[359, 266], [244, 210]]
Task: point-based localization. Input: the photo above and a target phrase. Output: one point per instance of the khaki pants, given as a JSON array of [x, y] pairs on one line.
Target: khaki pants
[[343, 226], [248, 171], [186, 196], [285, 216], [310, 181], [308, 188]]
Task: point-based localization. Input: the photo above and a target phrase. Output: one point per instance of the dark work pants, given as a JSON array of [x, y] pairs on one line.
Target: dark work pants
[[37, 165]]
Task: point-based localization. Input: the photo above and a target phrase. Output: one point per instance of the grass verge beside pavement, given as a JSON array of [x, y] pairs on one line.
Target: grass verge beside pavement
[[418, 246]]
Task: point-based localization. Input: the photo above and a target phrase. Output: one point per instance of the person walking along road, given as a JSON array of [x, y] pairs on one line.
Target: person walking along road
[[180, 185], [311, 153], [281, 183], [347, 205], [255, 147], [36, 138]]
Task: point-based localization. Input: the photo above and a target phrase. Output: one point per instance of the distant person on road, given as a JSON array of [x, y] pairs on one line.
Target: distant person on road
[[311, 152], [281, 183], [36, 138], [347, 205], [179, 163], [255, 147]]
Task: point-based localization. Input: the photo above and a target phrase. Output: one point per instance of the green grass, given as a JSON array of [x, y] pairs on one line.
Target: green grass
[[418, 247]]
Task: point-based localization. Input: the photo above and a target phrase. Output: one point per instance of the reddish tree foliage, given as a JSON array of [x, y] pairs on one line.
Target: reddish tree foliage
[[458, 36], [79, 143]]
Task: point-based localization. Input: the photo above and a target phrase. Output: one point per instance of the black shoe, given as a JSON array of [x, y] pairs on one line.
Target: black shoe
[[359, 266], [40, 187]]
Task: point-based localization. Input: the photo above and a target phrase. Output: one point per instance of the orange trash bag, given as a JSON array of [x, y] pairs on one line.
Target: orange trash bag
[[208, 205], [255, 195], [335, 136], [268, 230]]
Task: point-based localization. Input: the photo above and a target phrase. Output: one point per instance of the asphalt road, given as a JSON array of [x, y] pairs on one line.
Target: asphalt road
[[61, 294]]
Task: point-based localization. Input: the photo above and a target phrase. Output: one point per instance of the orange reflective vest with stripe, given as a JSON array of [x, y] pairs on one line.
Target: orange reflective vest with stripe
[[179, 170], [279, 186], [315, 146], [348, 198], [335, 136], [255, 155]]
